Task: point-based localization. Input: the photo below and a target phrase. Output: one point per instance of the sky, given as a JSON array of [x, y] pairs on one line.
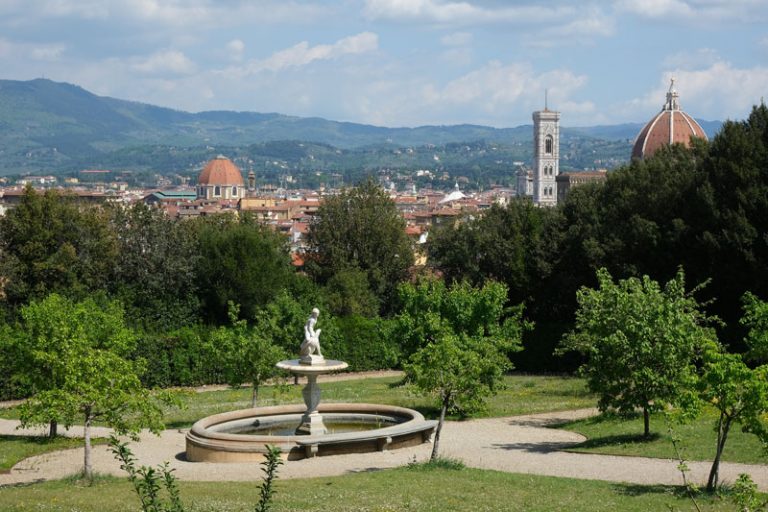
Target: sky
[[401, 62]]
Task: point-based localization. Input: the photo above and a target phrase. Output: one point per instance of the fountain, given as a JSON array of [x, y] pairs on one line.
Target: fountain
[[313, 429]]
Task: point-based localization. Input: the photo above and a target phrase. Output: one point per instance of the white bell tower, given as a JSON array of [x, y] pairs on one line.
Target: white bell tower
[[546, 155]]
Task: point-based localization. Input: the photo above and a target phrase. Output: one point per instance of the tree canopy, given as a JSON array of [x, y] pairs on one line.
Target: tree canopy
[[641, 342]]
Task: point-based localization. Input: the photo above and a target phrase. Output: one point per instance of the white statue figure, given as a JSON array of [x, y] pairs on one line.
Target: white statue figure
[[311, 338]]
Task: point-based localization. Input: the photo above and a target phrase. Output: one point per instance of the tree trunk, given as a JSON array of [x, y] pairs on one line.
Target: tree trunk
[[439, 429], [646, 421], [87, 464], [723, 426], [254, 394], [53, 430]]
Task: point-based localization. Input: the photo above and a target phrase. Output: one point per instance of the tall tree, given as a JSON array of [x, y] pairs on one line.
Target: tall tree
[[241, 261], [52, 243], [79, 351], [154, 271], [360, 228], [641, 342]]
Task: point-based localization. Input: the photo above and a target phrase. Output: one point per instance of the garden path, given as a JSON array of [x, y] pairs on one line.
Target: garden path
[[520, 444]]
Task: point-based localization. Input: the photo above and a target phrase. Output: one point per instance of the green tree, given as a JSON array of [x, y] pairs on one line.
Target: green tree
[[360, 229], [79, 351], [348, 293], [246, 356], [430, 306], [740, 395], [241, 261], [52, 243], [154, 270], [462, 362], [641, 342]]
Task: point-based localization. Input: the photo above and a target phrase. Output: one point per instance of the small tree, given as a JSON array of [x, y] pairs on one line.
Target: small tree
[[462, 354], [247, 356], [640, 340], [461, 371], [80, 350]]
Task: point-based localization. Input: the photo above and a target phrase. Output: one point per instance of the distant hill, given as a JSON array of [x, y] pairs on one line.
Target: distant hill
[[47, 126]]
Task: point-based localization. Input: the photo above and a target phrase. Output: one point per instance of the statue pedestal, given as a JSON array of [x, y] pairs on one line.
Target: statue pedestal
[[312, 366], [312, 360]]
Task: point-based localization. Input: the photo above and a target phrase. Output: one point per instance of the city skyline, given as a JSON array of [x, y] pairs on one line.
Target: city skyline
[[401, 62]]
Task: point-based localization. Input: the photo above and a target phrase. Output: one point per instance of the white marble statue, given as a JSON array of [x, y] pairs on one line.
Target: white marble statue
[[311, 343]]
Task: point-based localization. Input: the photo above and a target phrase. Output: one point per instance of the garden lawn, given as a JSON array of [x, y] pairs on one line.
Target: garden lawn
[[410, 488], [16, 448], [617, 435]]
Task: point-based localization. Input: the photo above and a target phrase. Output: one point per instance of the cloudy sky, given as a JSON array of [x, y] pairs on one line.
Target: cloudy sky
[[401, 62]]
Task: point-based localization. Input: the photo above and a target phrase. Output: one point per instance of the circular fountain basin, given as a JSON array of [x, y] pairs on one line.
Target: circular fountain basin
[[243, 435]]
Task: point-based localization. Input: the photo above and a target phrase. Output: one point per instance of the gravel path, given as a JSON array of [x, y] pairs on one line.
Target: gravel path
[[520, 444]]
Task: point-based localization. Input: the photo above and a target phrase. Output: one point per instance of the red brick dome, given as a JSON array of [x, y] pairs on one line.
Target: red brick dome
[[669, 126], [220, 171]]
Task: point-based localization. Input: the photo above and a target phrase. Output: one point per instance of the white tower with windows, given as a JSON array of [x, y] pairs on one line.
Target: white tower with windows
[[546, 156]]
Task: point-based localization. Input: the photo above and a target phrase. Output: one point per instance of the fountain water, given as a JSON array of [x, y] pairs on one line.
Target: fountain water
[[310, 430]]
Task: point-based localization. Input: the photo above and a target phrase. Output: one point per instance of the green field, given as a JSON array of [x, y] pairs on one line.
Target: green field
[[615, 435], [417, 489]]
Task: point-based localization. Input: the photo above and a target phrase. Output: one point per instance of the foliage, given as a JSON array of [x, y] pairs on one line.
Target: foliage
[[430, 306], [756, 318], [744, 495], [459, 346], [348, 294], [147, 481], [740, 395], [360, 229], [246, 355], [241, 261], [79, 352], [52, 243], [269, 467], [154, 269], [641, 342], [367, 343]]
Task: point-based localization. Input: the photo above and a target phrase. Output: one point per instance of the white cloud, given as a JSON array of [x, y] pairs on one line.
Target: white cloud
[[48, 52], [460, 13], [236, 47], [697, 10], [457, 39], [165, 62], [720, 91], [302, 53], [496, 86]]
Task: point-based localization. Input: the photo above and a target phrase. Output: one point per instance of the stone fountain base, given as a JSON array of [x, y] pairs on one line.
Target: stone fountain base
[[212, 439]]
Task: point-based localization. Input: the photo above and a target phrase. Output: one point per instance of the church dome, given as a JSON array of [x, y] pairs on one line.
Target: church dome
[[220, 171], [669, 126]]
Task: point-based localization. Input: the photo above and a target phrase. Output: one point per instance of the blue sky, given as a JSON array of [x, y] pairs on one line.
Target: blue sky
[[401, 62]]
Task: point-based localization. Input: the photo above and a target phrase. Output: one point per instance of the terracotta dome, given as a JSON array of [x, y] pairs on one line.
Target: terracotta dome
[[220, 171], [669, 126]]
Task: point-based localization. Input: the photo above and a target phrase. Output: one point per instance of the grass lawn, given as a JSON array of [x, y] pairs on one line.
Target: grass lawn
[[623, 436], [15, 448], [418, 488]]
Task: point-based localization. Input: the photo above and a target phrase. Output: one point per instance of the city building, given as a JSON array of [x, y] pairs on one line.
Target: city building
[[670, 126], [568, 180], [546, 156], [220, 180]]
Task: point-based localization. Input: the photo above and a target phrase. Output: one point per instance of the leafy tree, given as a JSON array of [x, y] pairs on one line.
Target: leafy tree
[[430, 306], [641, 342], [52, 243], [740, 395], [241, 261], [247, 356], [460, 359], [360, 229], [79, 351], [154, 271]]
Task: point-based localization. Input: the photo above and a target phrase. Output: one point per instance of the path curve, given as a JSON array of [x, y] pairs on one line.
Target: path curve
[[519, 444]]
